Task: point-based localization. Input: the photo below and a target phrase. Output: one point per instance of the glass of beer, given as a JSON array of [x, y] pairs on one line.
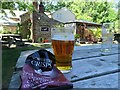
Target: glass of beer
[[63, 46], [107, 37]]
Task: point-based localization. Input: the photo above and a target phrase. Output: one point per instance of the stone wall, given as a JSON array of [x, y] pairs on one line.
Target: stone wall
[[39, 22], [38, 34]]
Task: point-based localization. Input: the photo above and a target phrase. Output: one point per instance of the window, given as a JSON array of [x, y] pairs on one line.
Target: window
[[44, 28]]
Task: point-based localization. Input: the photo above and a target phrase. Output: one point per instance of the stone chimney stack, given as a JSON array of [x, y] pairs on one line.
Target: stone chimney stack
[[35, 4], [41, 7]]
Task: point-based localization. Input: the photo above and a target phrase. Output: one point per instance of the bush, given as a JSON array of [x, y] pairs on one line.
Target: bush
[[1, 31], [39, 40], [6, 32], [77, 36], [96, 31]]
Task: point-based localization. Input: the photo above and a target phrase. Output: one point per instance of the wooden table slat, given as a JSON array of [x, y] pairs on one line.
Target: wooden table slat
[[109, 81], [93, 66]]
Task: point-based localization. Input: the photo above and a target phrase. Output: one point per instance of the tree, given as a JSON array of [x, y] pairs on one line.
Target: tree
[[51, 7], [118, 16], [21, 5], [25, 6], [99, 12], [8, 5], [23, 27]]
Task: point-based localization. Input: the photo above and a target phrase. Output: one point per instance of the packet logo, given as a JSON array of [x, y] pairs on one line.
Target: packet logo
[[40, 61]]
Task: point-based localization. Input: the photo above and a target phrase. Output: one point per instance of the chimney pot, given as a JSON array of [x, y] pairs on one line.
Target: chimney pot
[[41, 8]]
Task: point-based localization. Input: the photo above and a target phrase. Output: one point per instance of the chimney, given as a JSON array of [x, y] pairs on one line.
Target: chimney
[[35, 4], [41, 7]]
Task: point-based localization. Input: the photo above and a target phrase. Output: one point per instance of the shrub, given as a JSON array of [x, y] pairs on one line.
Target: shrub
[[6, 32], [77, 36], [1, 31], [39, 40]]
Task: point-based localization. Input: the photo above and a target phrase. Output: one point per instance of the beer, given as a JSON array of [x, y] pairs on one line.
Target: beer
[[63, 45], [63, 50]]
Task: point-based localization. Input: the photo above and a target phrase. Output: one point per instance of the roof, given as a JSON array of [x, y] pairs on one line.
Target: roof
[[62, 15], [65, 9], [43, 18], [48, 14], [89, 23], [7, 21]]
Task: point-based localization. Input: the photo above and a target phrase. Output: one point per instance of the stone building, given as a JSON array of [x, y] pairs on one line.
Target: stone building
[[42, 24], [7, 24], [10, 19]]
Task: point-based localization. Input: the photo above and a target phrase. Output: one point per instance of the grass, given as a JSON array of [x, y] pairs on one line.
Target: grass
[[10, 57]]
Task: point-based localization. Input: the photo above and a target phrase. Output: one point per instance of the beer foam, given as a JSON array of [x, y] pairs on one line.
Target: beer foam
[[63, 36]]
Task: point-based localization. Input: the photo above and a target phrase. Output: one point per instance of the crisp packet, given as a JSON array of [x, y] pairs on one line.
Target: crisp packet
[[39, 73]]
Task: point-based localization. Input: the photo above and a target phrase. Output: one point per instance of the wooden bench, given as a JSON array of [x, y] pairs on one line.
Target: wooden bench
[[10, 39]]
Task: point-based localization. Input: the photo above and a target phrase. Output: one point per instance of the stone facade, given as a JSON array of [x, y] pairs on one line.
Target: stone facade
[[42, 25]]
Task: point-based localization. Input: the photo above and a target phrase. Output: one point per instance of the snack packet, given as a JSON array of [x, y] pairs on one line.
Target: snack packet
[[39, 73]]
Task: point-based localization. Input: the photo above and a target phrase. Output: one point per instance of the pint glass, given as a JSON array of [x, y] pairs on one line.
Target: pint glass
[[107, 37], [63, 45]]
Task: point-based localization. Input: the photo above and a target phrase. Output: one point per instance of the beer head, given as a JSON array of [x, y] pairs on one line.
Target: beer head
[[62, 34]]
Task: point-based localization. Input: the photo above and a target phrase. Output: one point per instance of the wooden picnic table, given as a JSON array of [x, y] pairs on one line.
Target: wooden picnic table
[[91, 67], [11, 39]]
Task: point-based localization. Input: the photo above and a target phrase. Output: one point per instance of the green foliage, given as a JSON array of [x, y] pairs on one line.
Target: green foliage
[[6, 32], [24, 29], [119, 17], [51, 8], [97, 32], [99, 12], [77, 36], [0, 31], [39, 40], [21, 6], [3, 12], [25, 6], [8, 5]]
